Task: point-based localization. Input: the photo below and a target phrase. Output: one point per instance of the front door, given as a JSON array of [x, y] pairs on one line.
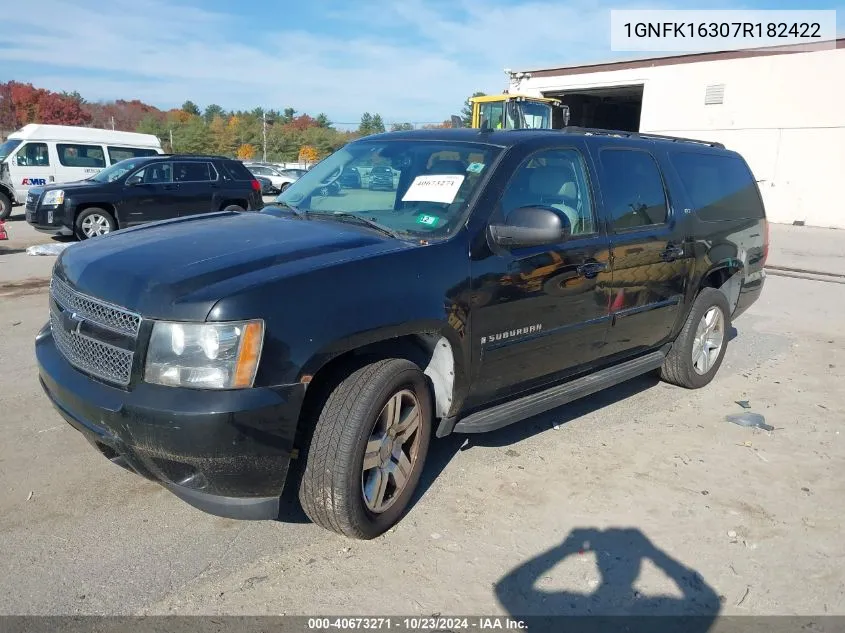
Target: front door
[[149, 195], [195, 192], [651, 255], [540, 313], [32, 167]]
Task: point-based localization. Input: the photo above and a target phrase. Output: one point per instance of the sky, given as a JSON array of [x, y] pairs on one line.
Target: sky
[[409, 60]]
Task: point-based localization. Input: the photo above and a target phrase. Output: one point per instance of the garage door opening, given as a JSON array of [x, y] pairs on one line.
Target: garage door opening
[[616, 108]]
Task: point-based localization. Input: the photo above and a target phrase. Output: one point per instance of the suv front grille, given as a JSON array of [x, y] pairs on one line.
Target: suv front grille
[[103, 314], [83, 349], [31, 202]]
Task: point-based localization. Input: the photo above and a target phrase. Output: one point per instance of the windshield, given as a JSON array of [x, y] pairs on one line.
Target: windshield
[[537, 116], [110, 174], [8, 147], [415, 188]]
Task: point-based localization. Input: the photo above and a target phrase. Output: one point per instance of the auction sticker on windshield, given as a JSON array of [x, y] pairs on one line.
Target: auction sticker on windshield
[[434, 188]]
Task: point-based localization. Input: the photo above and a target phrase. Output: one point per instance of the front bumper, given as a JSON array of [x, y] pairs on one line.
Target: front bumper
[[38, 219], [226, 453]]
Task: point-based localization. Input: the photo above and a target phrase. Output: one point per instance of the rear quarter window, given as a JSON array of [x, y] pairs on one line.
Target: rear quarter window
[[237, 170], [720, 186]]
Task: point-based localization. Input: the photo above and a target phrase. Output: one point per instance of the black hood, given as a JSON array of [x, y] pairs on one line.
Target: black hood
[[178, 269]]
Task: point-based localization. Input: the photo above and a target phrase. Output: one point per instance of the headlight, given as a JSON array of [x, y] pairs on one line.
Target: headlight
[[56, 197], [204, 355]]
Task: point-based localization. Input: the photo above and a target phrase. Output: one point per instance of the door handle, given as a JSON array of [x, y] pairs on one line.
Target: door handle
[[591, 269], [672, 252]]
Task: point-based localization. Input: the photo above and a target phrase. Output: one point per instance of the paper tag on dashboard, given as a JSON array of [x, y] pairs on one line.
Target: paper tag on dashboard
[[434, 188]]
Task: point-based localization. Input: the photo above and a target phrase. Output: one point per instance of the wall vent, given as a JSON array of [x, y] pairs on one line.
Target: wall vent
[[715, 94]]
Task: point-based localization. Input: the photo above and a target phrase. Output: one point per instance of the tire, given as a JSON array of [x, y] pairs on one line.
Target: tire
[[5, 206], [284, 187], [684, 366], [334, 480], [94, 219], [233, 207]]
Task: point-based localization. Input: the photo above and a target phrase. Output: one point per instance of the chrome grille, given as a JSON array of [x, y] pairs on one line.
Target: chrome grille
[[99, 312], [90, 355], [80, 346]]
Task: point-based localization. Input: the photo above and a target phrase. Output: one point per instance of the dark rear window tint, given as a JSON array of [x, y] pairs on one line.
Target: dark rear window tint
[[237, 170], [720, 187]]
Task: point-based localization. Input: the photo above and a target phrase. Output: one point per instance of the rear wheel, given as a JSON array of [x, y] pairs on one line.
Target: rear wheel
[[367, 450], [94, 222], [284, 187], [234, 207], [5, 206], [697, 353]]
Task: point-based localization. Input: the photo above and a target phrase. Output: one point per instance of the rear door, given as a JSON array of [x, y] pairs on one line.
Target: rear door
[[194, 180], [649, 246]]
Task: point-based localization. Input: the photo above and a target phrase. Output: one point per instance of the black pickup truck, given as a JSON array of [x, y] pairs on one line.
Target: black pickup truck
[[508, 273]]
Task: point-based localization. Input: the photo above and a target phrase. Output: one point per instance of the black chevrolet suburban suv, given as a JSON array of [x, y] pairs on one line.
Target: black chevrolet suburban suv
[[509, 272], [140, 190]]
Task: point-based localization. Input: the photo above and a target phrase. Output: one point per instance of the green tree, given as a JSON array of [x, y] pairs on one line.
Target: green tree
[[400, 127], [466, 113], [378, 124], [193, 137], [288, 115], [222, 137], [191, 108], [211, 112], [75, 96], [323, 120]]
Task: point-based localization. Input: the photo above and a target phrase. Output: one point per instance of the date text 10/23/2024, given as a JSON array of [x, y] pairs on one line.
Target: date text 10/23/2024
[[417, 623]]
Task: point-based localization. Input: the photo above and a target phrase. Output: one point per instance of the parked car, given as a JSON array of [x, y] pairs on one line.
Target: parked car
[[38, 155], [279, 181], [294, 173], [350, 178], [381, 177], [267, 188], [140, 190], [513, 272]]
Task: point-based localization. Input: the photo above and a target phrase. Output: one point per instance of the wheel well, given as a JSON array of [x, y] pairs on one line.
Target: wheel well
[[9, 193], [100, 205], [430, 351], [242, 203], [726, 279]]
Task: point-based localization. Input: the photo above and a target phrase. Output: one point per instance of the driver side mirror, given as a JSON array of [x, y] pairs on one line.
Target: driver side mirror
[[530, 226], [134, 181]]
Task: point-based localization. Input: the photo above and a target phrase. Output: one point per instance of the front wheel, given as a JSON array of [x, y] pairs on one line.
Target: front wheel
[[94, 222], [697, 353], [5, 206], [284, 187], [368, 448]]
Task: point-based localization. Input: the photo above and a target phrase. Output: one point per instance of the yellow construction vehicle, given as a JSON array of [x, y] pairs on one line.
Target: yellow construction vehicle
[[509, 111]]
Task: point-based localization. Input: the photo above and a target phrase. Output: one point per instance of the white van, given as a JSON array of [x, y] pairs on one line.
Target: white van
[[43, 154]]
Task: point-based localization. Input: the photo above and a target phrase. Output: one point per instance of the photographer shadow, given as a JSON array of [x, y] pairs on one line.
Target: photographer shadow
[[614, 604]]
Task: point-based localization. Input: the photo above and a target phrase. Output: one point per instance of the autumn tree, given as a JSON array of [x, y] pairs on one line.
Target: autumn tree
[[246, 152], [308, 154]]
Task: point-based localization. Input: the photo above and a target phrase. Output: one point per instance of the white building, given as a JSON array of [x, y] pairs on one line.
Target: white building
[[782, 109]]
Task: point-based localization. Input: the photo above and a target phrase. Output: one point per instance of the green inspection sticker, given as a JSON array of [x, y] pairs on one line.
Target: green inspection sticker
[[475, 168], [428, 220]]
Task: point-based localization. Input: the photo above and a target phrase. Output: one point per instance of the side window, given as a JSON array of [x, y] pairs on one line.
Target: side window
[[154, 174], [554, 178], [33, 155], [81, 155], [720, 187], [117, 154], [633, 191], [192, 172], [493, 113]]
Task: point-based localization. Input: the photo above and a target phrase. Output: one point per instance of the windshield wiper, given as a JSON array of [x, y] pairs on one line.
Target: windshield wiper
[[353, 216], [296, 211]]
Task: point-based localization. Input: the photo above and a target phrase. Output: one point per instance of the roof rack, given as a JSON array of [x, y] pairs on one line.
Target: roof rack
[[643, 135], [197, 156]]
